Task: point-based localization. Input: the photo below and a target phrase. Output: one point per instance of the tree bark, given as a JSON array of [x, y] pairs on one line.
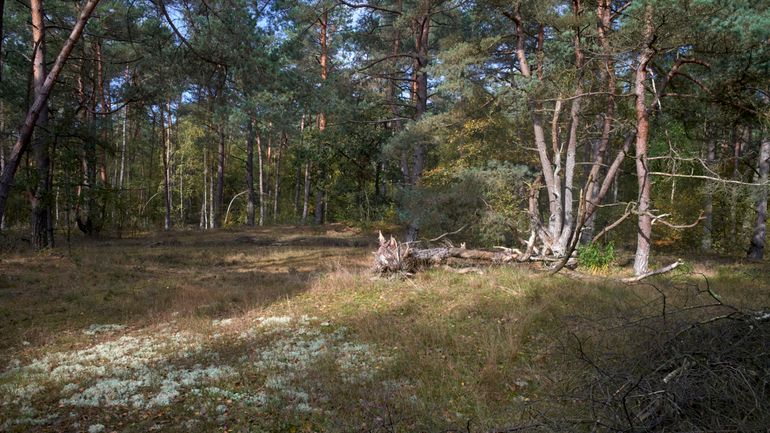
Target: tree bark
[[261, 173], [104, 108], [219, 190], [568, 224], [25, 132], [593, 189], [552, 184], [757, 248], [166, 156], [2, 149], [421, 33], [41, 196], [277, 185], [204, 221], [320, 195], [306, 199], [250, 196], [297, 187], [124, 142], [644, 226]]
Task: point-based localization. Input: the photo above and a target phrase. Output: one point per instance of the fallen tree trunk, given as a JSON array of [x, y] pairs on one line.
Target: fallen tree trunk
[[394, 257]]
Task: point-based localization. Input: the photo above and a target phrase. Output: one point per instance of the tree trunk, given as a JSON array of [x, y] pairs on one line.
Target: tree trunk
[[123, 144], [297, 187], [277, 176], [211, 195], [41, 196], [552, 184], [320, 195], [250, 196], [218, 197], [421, 32], [644, 230], [306, 199], [320, 198], [25, 132], [757, 248], [104, 109], [204, 221], [261, 173], [267, 168], [568, 224], [2, 148], [166, 152], [599, 149], [706, 241], [86, 209], [180, 171]]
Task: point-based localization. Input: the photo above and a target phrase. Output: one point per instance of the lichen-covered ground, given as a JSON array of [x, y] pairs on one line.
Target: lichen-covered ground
[[238, 369], [284, 329]]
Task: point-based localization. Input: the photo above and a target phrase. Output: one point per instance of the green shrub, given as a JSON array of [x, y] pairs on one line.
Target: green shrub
[[594, 257]]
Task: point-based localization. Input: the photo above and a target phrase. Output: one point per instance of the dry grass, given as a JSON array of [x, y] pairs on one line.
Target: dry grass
[[447, 351]]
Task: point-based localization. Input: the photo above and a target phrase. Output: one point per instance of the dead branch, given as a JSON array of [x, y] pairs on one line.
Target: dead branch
[[662, 270], [447, 234], [659, 218], [607, 229], [711, 178]]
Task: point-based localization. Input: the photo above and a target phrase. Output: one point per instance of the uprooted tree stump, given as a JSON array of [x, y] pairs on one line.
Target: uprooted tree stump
[[395, 257]]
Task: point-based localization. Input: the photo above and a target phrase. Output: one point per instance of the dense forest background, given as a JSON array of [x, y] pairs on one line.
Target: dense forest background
[[536, 124]]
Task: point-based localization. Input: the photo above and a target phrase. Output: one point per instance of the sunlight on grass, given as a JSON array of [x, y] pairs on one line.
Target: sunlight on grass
[[237, 335]]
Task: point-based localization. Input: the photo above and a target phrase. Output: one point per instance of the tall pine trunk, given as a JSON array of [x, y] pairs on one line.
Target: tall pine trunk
[[219, 190], [277, 176], [41, 197], [306, 195], [166, 149], [204, 219], [101, 93], [421, 32], [261, 174], [644, 225], [124, 140], [250, 196], [320, 195]]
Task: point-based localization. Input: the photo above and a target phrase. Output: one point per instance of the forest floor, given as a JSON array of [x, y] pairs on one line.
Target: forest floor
[[284, 329]]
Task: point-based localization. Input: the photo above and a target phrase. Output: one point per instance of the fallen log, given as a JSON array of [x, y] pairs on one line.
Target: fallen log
[[395, 257]]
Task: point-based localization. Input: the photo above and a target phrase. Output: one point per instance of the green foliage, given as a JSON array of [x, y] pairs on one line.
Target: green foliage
[[487, 200], [595, 257]]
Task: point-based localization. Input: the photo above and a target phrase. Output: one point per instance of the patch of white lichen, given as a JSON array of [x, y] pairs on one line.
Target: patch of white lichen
[[141, 372]]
